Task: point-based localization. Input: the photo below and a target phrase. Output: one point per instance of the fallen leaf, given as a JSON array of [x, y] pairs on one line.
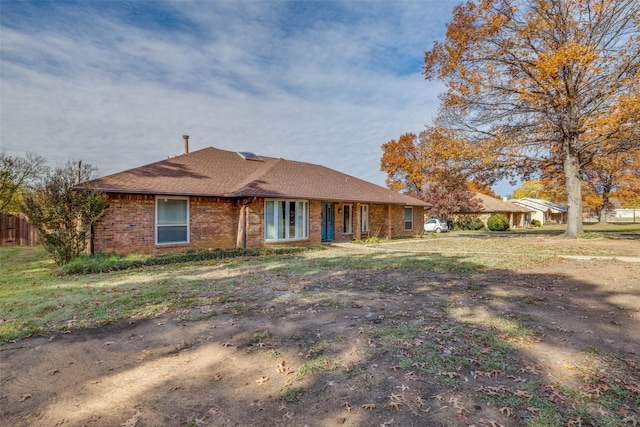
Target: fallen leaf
[[369, 406], [227, 344], [216, 377], [395, 406], [54, 371], [631, 420], [449, 374], [522, 393], [506, 411], [262, 380], [456, 404], [347, 406], [397, 397], [411, 376]]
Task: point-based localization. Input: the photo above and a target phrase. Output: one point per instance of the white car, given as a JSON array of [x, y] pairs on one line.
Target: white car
[[437, 225]]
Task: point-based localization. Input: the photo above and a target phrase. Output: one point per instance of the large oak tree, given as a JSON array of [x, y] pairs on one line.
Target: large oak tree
[[537, 84]]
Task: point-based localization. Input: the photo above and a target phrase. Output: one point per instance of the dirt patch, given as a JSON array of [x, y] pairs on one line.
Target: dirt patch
[[352, 348]]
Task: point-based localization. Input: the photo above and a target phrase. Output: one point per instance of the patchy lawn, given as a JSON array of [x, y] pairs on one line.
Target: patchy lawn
[[450, 330]]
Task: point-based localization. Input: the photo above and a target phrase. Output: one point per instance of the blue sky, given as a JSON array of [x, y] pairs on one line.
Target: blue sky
[[116, 84]]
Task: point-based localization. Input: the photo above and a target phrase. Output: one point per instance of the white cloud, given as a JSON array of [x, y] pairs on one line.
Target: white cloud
[[321, 82]]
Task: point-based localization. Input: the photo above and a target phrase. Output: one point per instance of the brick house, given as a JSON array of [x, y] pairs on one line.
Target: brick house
[[213, 198], [518, 216]]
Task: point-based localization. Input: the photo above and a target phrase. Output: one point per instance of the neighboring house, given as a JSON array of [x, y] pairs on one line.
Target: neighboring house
[[214, 198], [518, 216], [544, 211], [632, 214]]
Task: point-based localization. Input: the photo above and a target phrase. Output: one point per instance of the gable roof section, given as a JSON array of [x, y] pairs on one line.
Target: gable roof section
[[491, 204], [540, 205], [220, 173]]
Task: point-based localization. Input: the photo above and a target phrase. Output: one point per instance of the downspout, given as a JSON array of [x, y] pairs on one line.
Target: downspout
[[243, 225]]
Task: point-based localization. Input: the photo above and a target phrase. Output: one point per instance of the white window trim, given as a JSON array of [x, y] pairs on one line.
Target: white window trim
[[276, 230], [155, 225], [350, 221], [364, 209], [405, 219]]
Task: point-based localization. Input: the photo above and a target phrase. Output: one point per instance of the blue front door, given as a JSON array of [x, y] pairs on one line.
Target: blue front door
[[327, 221]]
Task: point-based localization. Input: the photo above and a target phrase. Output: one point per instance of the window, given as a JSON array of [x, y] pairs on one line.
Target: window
[[408, 219], [364, 218], [286, 219], [348, 219], [172, 220]]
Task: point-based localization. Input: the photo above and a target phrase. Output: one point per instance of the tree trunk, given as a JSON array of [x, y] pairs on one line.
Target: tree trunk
[[574, 191], [602, 217]]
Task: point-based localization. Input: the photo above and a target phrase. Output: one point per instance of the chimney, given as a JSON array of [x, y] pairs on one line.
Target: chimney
[[186, 143]]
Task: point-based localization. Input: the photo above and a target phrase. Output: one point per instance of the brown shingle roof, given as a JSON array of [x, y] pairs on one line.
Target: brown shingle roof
[[220, 173], [491, 204]]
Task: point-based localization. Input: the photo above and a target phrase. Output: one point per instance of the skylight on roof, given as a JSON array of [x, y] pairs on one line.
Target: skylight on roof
[[249, 156]]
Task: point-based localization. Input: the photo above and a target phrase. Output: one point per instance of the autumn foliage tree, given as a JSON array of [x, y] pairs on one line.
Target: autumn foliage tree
[[628, 189], [428, 167], [538, 84], [544, 189], [605, 176]]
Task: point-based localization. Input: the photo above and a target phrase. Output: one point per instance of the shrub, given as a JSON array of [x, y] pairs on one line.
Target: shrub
[[469, 223], [91, 264], [536, 223], [63, 214], [498, 222]]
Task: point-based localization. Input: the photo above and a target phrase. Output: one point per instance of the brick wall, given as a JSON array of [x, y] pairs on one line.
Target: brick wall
[[213, 222], [379, 224], [129, 224]]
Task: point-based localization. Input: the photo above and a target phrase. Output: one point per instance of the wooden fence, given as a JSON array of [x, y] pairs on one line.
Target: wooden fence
[[16, 230]]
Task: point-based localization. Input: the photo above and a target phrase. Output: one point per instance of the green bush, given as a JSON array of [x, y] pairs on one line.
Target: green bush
[[536, 223], [471, 223], [91, 264], [498, 222]]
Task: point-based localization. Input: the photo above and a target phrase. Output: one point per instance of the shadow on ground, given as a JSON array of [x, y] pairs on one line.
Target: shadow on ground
[[394, 346]]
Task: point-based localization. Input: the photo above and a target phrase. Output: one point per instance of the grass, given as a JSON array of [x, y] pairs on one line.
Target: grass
[[291, 394], [315, 366], [36, 299]]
